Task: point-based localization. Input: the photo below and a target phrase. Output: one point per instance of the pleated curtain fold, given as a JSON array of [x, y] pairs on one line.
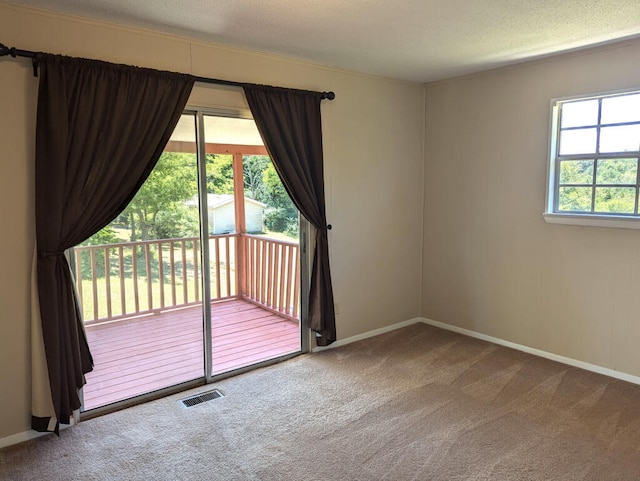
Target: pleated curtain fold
[[289, 122], [101, 128]]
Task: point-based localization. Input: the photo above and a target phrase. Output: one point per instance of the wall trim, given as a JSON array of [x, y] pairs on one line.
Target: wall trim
[[536, 352], [20, 438], [365, 335], [31, 434]]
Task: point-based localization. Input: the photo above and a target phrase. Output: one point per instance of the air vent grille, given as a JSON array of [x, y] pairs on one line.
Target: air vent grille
[[200, 398]]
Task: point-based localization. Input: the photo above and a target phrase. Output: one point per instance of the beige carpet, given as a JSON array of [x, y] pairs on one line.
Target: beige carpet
[[418, 403]]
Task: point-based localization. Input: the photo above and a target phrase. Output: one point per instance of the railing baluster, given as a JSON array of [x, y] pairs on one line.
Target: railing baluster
[[147, 268], [296, 288], [94, 284], [185, 281], [228, 263], [123, 297], [263, 272], [161, 274], [258, 263], [251, 278], [196, 277], [134, 263], [288, 309], [79, 283], [107, 279], [217, 250], [172, 267], [274, 277], [268, 272], [283, 261], [251, 260]]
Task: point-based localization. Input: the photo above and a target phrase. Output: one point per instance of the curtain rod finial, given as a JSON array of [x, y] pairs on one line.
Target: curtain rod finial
[[328, 95], [4, 50]]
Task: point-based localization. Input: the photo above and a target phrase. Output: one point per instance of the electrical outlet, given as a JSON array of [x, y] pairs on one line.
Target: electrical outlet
[[336, 308]]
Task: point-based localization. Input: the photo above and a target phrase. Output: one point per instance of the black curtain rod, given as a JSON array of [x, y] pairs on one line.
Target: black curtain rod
[[15, 52]]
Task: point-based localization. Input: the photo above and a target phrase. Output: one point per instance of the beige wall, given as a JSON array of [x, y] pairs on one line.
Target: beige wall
[[491, 263], [373, 150]]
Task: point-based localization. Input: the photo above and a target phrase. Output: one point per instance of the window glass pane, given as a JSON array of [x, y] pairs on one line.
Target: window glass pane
[[579, 141], [575, 199], [620, 200], [576, 172], [617, 171], [578, 114], [625, 108], [625, 138]]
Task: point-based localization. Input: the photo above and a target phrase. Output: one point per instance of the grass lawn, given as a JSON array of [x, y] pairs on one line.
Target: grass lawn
[[281, 236], [115, 293]]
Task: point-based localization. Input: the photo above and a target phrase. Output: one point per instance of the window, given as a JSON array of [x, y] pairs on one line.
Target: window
[[594, 174]]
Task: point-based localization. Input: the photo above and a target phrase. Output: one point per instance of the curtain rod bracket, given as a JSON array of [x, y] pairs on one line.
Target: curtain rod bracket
[[14, 52]]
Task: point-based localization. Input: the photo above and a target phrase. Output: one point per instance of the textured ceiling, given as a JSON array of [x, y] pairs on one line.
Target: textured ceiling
[[417, 40]]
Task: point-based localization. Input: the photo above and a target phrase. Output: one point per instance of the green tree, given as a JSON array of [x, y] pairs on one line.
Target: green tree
[[169, 186], [281, 214], [576, 172], [577, 177], [253, 167], [219, 174]]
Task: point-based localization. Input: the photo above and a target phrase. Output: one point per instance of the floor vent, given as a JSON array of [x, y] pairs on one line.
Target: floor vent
[[200, 398]]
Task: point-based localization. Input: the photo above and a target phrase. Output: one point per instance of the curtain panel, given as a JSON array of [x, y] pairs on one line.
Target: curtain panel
[[100, 130], [289, 122]]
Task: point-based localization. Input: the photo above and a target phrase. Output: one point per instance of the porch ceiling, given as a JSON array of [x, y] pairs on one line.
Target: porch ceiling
[[219, 130]]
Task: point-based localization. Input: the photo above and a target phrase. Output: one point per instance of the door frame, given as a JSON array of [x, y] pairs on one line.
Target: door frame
[[304, 259]]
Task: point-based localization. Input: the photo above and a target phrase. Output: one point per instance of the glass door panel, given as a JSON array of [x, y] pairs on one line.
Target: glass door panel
[[256, 318], [139, 282]]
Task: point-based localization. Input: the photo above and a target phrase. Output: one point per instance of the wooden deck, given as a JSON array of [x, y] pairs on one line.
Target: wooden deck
[[146, 353]]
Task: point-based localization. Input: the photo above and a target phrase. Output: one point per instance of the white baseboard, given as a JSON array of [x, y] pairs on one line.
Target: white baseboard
[[20, 438], [536, 352], [29, 435], [365, 335]]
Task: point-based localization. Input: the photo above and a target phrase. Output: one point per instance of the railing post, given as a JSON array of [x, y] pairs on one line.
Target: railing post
[[241, 225]]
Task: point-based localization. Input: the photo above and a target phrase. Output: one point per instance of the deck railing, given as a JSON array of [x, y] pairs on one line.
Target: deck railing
[[133, 278], [272, 274]]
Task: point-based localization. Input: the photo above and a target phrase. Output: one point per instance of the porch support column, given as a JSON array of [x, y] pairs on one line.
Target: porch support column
[[241, 225]]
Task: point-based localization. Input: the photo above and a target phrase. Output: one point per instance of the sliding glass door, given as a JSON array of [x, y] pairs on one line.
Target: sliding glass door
[[253, 249], [200, 275]]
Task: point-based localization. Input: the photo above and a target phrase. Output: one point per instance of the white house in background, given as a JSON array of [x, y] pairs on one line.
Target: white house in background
[[222, 208]]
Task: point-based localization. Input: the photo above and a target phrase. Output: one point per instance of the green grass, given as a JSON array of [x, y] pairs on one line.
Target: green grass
[[281, 236], [116, 294]]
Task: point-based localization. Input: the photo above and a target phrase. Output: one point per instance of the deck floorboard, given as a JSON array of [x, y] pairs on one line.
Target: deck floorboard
[[143, 354]]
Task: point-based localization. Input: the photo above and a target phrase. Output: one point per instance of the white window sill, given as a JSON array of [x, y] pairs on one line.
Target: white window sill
[[593, 220]]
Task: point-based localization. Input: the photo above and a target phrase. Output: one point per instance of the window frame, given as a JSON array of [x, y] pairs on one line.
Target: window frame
[[552, 214]]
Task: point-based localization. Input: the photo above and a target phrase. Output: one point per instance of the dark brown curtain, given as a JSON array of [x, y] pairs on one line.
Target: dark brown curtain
[[100, 131], [289, 122]]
